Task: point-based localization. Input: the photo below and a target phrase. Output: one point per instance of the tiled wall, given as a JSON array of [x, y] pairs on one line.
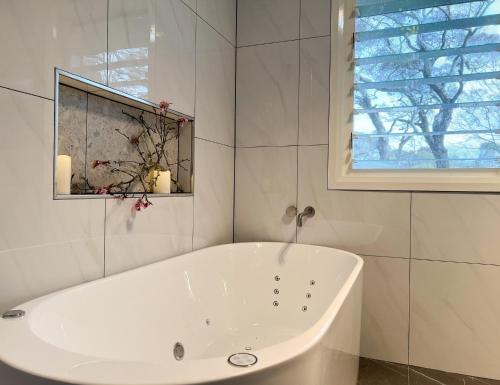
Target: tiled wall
[[157, 49], [432, 272]]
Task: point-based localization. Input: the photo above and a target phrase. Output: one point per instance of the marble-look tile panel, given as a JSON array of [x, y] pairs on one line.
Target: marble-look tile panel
[[454, 317], [72, 132], [385, 321], [373, 372], [213, 201], [315, 16], [152, 50], [267, 21], [221, 15], [40, 35], [267, 94], [456, 227], [215, 86], [364, 222], [266, 182], [314, 91], [38, 235], [136, 238], [424, 376]]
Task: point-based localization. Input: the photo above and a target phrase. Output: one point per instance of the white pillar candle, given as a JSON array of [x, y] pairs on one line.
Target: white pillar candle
[[161, 182], [63, 174]]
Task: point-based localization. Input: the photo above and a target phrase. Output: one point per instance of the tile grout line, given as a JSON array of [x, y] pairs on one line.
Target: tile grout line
[[409, 287], [107, 43], [235, 121], [281, 41], [213, 141], [26, 93], [107, 83], [195, 11], [298, 128], [193, 150], [104, 238]]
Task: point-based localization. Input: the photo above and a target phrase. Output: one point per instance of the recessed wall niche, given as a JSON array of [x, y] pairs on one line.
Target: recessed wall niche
[[110, 143]]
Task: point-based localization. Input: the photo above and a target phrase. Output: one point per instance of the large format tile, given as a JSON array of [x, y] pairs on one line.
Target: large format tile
[[364, 222], [314, 94], [373, 372], [190, 3], [424, 376], [267, 21], [454, 317], [266, 180], [215, 86], [40, 35], [221, 15], [456, 227], [315, 18], [214, 190], [135, 238], [152, 50], [267, 94], [45, 244], [384, 331]]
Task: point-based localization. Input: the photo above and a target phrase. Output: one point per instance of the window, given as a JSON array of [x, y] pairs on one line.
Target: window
[[415, 95]]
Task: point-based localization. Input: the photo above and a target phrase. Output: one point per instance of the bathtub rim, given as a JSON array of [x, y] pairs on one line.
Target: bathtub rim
[[287, 350]]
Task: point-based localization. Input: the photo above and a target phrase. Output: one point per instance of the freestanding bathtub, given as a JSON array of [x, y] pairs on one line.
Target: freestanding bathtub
[[292, 311]]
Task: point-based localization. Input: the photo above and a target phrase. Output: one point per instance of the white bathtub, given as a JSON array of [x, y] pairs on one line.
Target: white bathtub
[[296, 308]]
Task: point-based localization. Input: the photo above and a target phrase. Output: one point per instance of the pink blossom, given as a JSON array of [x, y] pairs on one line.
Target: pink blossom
[[141, 204], [103, 190], [97, 163], [182, 121], [134, 140], [164, 104]]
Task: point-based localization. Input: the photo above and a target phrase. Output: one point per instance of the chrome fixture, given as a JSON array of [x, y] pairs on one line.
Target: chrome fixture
[[13, 314], [243, 360], [291, 211], [308, 212], [178, 351]]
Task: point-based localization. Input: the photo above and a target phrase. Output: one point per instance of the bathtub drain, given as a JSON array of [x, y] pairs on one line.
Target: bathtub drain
[[243, 360]]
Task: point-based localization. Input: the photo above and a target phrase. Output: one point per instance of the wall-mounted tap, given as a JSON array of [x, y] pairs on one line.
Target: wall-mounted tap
[[308, 212]]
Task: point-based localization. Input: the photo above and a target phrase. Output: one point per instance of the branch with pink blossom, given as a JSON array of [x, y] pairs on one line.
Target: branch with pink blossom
[[150, 154]]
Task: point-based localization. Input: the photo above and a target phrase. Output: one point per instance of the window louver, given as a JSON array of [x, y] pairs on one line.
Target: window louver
[[426, 84]]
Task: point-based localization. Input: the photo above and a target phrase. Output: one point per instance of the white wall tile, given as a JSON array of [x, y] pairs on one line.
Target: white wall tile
[[40, 35], [190, 3], [214, 190], [135, 238], [45, 244], [152, 50], [385, 320], [315, 18], [267, 21], [454, 317], [267, 94], [221, 15], [369, 223], [266, 180], [215, 85], [456, 227], [314, 94]]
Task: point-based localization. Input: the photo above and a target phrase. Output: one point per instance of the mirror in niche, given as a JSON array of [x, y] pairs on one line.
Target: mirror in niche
[[110, 143]]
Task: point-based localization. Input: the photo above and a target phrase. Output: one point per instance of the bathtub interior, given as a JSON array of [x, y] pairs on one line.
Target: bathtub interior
[[216, 302]]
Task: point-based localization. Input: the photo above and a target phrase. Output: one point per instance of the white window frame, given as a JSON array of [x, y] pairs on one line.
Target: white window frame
[[340, 174]]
